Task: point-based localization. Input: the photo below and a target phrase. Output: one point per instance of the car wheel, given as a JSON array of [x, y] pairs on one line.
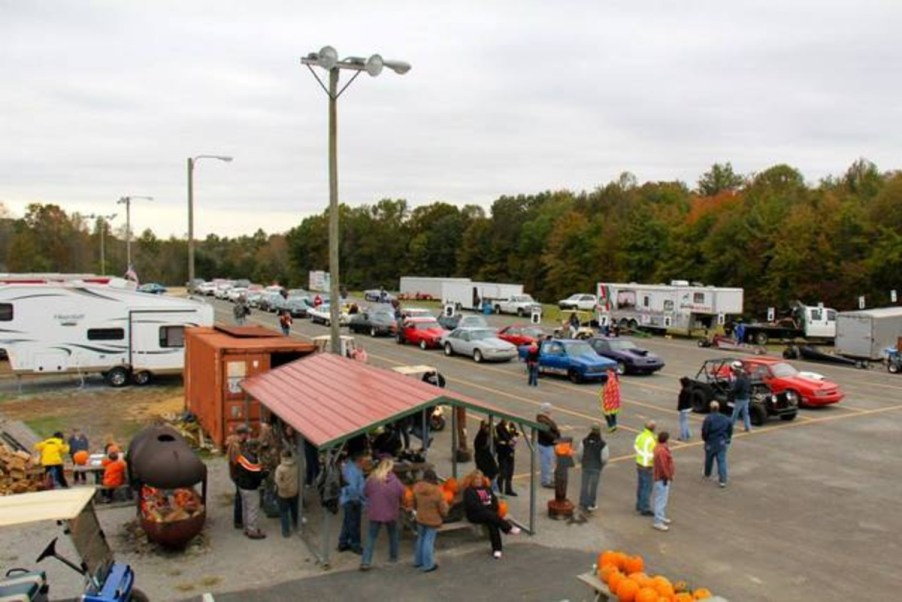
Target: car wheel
[[423, 345], [621, 368], [757, 414], [793, 398], [893, 367], [761, 338], [497, 309], [327, 323], [372, 331], [117, 377], [789, 416], [141, 378], [477, 356], [574, 376], [634, 325], [449, 350], [520, 313]]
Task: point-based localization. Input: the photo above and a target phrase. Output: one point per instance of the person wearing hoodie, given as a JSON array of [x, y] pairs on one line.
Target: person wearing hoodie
[[384, 494], [532, 364], [684, 406], [287, 490], [482, 509], [594, 455], [53, 450], [482, 453], [431, 508], [249, 479]]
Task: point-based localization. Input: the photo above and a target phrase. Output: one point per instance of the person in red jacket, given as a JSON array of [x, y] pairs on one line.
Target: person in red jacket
[[113, 474], [662, 472]]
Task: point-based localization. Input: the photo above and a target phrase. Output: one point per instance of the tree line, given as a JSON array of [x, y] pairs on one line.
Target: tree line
[[770, 233]]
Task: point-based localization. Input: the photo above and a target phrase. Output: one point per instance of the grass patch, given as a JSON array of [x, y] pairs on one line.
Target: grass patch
[[209, 581], [44, 426]]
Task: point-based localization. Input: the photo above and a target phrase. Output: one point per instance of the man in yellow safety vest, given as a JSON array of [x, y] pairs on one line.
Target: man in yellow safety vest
[[645, 448]]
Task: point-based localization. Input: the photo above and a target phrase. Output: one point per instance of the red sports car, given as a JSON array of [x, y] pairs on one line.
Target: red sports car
[[424, 332], [520, 334], [812, 389]]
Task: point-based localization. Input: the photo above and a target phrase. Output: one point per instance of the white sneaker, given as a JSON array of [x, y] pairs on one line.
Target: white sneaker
[[497, 555], [661, 527], [592, 508], [515, 530], [667, 521]]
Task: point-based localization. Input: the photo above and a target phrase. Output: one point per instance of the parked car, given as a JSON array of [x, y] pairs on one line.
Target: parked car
[[222, 289], [377, 295], [206, 288], [809, 388], [713, 381], [322, 315], [521, 305], [416, 312], [153, 288], [521, 334], [296, 306], [375, 322], [479, 343], [269, 299], [235, 293], [253, 298], [581, 301], [425, 332], [630, 358], [572, 358], [461, 321]]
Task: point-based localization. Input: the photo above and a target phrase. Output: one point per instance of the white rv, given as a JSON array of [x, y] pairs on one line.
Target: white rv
[[675, 306], [415, 287], [471, 295], [56, 328]]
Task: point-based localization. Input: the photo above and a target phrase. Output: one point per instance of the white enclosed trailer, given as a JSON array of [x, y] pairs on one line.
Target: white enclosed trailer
[[675, 306], [866, 333], [417, 287], [471, 295], [59, 328]]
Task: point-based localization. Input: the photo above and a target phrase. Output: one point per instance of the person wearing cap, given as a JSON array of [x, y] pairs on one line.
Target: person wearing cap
[[249, 479], [741, 391], [594, 455], [546, 440], [234, 446], [644, 447], [717, 430], [431, 509]]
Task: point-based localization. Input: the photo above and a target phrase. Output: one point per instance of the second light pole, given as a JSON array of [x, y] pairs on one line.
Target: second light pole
[[327, 58], [191, 162], [127, 201]]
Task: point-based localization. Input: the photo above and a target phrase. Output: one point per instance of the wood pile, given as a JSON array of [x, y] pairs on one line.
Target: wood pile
[[18, 471]]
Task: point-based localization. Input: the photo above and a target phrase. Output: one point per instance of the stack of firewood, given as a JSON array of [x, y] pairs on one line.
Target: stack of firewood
[[18, 471]]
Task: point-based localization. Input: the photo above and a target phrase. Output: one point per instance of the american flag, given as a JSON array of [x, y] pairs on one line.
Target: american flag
[[132, 275]]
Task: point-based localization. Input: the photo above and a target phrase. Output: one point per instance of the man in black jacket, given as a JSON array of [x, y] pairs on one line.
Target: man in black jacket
[[249, 478], [505, 443], [717, 431], [546, 441]]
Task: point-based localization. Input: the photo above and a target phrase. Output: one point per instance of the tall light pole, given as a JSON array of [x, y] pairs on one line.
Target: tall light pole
[[127, 201], [327, 58], [103, 222], [191, 162]]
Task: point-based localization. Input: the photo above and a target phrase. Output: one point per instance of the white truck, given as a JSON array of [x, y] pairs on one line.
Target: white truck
[[675, 306], [416, 287], [76, 328], [814, 323], [867, 333], [472, 295], [521, 305]]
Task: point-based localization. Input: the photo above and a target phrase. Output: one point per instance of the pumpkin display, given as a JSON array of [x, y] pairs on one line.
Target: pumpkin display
[[614, 580], [641, 579], [627, 590], [647, 594], [625, 577], [701, 593], [502, 508], [80, 457]]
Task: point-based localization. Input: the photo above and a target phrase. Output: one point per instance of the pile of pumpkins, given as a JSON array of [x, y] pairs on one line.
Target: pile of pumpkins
[[452, 491], [625, 577]]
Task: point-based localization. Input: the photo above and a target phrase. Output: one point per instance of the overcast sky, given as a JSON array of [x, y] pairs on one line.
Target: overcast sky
[[105, 99]]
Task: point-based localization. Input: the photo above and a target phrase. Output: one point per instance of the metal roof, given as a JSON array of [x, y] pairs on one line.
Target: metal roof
[[329, 399], [55, 504], [250, 339]]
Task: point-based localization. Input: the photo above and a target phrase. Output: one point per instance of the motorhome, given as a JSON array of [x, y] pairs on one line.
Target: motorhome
[[82, 328], [675, 306], [472, 295]]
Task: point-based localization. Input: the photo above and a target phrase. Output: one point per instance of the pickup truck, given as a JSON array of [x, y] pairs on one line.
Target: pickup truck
[[521, 305], [571, 358]]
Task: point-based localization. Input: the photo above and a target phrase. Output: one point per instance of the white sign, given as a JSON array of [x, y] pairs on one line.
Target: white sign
[[536, 316], [771, 314], [721, 319], [861, 302], [892, 295], [449, 310]]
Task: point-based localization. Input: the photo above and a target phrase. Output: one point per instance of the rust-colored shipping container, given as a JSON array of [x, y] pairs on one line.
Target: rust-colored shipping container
[[217, 359]]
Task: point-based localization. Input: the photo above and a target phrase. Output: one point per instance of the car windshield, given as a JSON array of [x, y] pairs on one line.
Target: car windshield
[[783, 370], [426, 325], [383, 315], [476, 335], [473, 321], [580, 348], [621, 345]]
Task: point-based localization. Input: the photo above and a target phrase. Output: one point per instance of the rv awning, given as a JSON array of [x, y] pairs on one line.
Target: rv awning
[[329, 399]]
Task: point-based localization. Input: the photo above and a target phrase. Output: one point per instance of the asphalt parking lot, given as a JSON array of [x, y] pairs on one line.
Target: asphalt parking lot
[[810, 511]]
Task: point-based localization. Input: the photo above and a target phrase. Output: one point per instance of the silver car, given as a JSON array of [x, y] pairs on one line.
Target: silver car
[[482, 344]]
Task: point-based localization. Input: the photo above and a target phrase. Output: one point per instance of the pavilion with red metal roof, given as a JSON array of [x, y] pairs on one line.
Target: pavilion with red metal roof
[[328, 399]]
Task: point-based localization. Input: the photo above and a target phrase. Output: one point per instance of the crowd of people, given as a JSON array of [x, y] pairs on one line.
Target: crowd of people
[[110, 471]]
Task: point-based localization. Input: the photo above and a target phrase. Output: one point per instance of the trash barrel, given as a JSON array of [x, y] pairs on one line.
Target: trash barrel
[[487, 308]]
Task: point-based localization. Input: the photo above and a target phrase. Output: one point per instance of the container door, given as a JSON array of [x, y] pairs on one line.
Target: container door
[[237, 408]]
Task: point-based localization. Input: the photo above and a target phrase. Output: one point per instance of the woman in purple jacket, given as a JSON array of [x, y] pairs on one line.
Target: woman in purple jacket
[[384, 494]]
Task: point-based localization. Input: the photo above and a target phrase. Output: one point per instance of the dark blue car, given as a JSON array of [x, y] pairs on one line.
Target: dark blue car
[[572, 358], [630, 358]]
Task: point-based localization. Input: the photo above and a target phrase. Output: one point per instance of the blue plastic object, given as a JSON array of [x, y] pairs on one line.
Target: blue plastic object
[[117, 587]]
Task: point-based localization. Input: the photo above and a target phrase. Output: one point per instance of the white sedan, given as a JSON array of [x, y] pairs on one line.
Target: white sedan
[[322, 315], [482, 344]]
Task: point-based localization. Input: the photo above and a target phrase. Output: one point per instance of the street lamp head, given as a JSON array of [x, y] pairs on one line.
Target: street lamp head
[[399, 67], [373, 65], [327, 58]]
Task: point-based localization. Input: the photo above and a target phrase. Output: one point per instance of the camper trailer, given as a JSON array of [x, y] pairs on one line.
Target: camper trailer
[[123, 334], [675, 306], [472, 295]]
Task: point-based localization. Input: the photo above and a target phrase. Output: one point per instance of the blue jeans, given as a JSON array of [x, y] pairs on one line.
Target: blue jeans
[[685, 434], [424, 548], [350, 526], [546, 464], [533, 369], [588, 488], [742, 407], [662, 492], [643, 489], [394, 541], [288, 513], [718, 451]]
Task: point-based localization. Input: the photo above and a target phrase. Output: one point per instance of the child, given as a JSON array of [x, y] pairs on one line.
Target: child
[[285, 322], [113, 475]]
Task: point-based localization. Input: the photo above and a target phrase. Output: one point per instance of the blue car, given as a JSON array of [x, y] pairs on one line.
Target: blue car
[[153, 288], [630, 358], [572, 358]]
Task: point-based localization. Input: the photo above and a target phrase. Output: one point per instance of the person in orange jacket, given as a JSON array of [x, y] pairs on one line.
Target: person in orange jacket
[[113, 474]]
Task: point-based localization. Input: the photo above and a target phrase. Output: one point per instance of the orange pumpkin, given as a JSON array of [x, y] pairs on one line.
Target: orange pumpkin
[[604, 573], [647, 594], [80, 457], [620, 560], [701, 593], [614, 580], [449, 496], [634, 564], [607, 558], [451, 485], [680, 586], [408, 497], [502, 508], [663, 586], [641, 578], [683, 597], [627, 590]]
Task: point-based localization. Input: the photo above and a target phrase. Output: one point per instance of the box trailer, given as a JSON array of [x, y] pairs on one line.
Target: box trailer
[[71, 328], [865, 334], [416, 287], [471, 295], [217, 359], [675, 306]]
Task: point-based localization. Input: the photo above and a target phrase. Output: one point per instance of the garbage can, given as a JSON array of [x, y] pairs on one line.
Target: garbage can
[[487, 308]]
